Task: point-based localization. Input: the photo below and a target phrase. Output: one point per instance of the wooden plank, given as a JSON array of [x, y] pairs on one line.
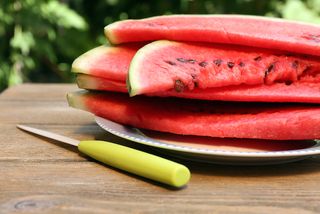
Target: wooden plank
[[34, 92], [276, 187], [58, 112], [40, 176]]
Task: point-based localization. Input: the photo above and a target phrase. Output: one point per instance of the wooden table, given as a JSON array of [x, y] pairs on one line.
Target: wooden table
[[38, 175]]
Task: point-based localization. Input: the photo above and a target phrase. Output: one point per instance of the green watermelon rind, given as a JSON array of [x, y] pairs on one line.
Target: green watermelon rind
[[82, 63], [133, 80], [90, 82], [86, 81], [74, 100]]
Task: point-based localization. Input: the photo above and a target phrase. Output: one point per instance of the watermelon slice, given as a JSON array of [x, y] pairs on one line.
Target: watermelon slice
[[98, 70], [299, 93], [204, 118], [166, 65], [111, 62], [244, 30]]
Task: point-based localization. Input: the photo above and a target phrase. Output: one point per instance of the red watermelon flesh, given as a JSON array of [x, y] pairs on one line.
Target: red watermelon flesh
[[111, 62], [204, 118], [244, 30], [165, 65], [299, 93]]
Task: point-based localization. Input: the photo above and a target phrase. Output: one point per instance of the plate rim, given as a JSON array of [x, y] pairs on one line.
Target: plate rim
[[310, 151]]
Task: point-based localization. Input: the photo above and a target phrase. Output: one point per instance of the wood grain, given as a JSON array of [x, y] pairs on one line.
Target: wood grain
[[41, 176]]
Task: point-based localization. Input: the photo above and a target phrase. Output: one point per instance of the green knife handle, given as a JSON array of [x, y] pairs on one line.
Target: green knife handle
[[137, 162]]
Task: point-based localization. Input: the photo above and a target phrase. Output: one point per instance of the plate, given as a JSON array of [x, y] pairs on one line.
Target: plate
[[217, 150]]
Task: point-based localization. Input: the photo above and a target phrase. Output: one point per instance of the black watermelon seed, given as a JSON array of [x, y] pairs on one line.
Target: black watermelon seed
[[170, 62], [182, 60], [203, 64], [217, 62], [270, 67], [295, 64], [178, 86], [192, 61], [268, 70], [241, 64], [258, 58], [288, 82], [230, 64]]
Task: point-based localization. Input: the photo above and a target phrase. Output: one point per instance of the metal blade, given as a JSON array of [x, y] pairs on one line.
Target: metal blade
[[50, 135]]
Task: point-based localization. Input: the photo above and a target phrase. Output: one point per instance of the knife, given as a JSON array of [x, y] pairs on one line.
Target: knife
[[125, 158]]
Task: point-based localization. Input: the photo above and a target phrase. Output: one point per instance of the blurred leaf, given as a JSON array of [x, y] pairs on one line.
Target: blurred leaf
[[22, 40], [59, 13], [315, 4], [297, 10], [15, 78], [112, 2]]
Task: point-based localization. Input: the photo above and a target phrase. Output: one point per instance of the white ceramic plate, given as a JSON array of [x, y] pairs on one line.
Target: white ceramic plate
[[216, 150]]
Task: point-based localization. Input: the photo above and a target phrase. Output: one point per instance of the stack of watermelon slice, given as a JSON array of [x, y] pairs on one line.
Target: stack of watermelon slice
[[225, 76]]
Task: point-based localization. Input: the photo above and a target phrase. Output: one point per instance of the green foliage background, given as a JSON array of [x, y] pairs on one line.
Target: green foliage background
[[39, 39]]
